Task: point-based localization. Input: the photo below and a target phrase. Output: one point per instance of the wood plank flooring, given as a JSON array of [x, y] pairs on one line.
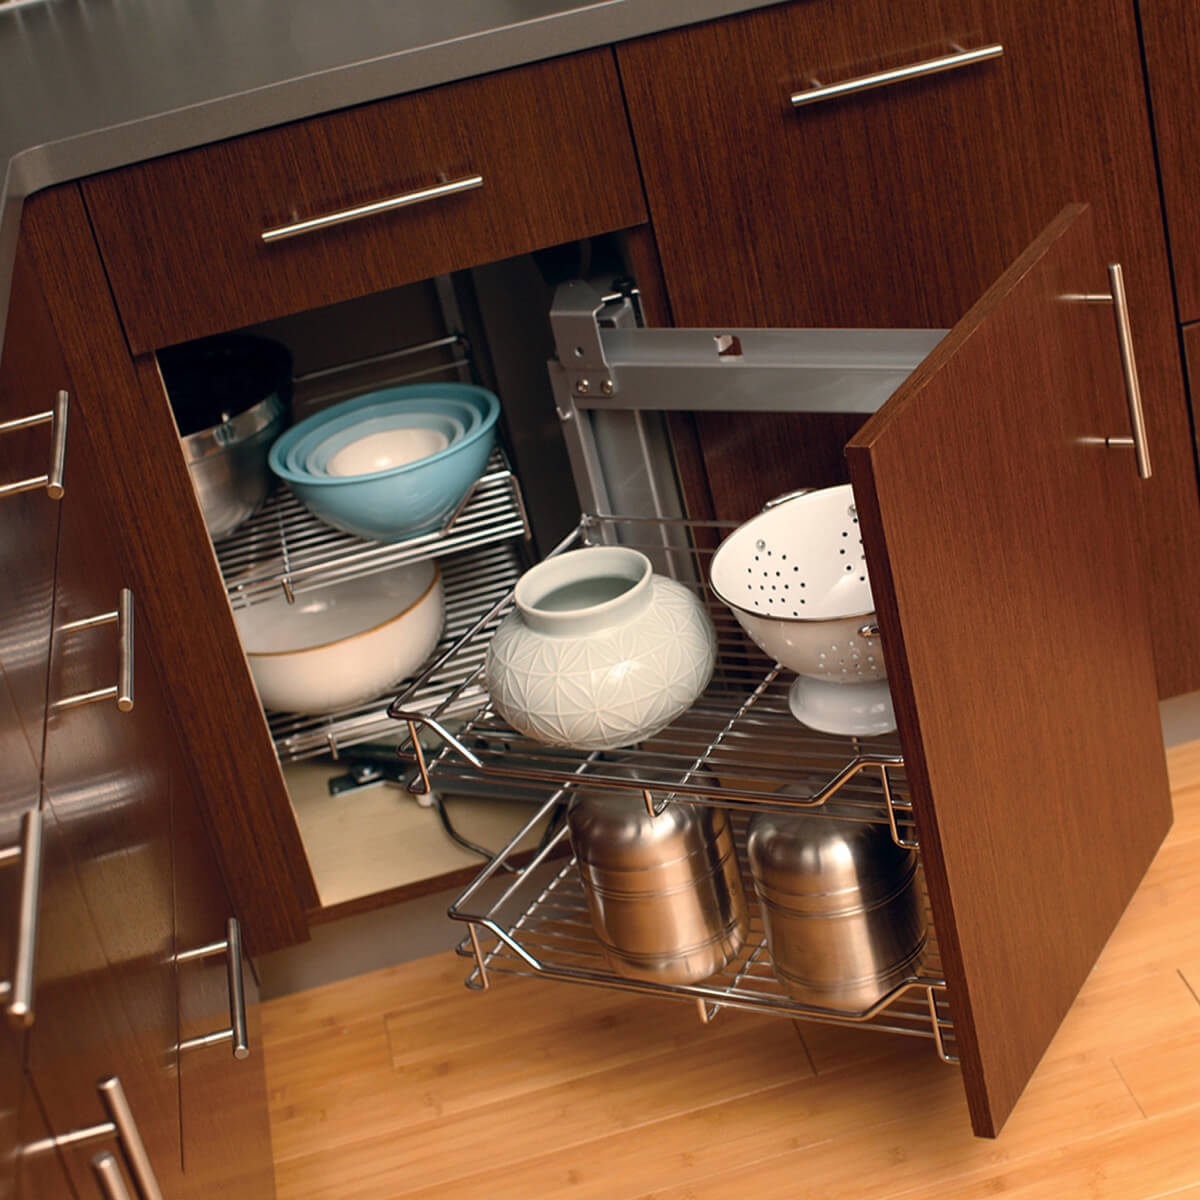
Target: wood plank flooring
[[404, 1084]]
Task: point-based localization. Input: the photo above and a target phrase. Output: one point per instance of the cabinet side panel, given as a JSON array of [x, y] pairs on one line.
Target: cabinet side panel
[[166, 547], [1172, 39], [999, 537]]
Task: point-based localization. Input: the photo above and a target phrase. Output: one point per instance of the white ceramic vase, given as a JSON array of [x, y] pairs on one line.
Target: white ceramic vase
[[599, 651]]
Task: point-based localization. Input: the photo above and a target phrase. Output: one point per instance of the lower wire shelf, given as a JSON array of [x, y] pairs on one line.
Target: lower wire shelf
[[539, 926]]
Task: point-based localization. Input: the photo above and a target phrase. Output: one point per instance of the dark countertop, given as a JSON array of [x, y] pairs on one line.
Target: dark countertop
[[87, 85]]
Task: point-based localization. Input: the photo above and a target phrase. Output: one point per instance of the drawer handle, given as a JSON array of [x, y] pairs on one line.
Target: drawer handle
[[122, 690], [123, 1127], [930, 66], [18, 992], [406, 200], [1133, 389], [231, 947], [109, 1177], [52, 481]]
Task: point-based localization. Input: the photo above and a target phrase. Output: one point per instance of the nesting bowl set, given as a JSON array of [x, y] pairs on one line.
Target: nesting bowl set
[[390, 464]]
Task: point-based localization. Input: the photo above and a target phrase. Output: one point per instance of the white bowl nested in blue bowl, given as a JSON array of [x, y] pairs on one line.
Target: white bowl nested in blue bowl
[[400, 501], [308, 454]]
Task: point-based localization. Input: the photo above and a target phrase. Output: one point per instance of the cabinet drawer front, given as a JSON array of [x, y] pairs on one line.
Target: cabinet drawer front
[[182, 235]]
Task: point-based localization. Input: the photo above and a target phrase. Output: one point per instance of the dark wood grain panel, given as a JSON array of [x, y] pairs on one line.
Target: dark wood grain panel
[[81, 1034], [1171, 37], [31, 373], [223, 1100], [166, 551], [1002, 562], [900, 206], [180, 235]]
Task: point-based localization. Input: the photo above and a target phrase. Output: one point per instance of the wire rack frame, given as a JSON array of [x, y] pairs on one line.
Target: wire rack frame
[[551, 936], [283, 547], [737, 747]]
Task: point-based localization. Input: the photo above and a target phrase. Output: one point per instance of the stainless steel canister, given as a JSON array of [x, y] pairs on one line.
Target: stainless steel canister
[[840, 906], [664, 892]]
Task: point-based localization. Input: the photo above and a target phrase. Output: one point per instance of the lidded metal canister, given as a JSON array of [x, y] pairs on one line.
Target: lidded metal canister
[[840, 906], [664, 892]]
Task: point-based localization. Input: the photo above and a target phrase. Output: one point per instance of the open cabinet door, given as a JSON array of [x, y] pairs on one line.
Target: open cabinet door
[[1000, 538]]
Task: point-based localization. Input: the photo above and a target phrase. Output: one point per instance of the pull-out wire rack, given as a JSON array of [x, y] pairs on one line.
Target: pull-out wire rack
[[738, 747]]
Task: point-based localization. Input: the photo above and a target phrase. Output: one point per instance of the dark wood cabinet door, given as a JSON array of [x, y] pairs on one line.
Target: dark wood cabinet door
[[998, 531], [223, 1100], [105, 775], [81, 1034], [898, 207], [1172, 40], [186, 615], [32, 373]]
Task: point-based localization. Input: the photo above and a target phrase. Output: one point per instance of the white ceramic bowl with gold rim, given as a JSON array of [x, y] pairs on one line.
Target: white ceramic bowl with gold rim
[[346, 644]]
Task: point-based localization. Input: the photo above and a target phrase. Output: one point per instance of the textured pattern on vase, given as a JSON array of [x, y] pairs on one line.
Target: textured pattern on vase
[[609, 688]]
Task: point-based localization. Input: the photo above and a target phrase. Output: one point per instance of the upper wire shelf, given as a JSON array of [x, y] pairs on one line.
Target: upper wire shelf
[[738, 747], [284, 547]]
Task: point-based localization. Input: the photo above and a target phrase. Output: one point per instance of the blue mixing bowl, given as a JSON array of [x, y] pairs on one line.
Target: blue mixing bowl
[[402, 501]]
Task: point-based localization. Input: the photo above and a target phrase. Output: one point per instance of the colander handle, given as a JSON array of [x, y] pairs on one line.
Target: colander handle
[[776, 501]]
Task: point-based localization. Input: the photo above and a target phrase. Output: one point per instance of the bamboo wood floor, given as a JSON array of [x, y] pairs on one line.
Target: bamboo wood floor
[[402, 1083]]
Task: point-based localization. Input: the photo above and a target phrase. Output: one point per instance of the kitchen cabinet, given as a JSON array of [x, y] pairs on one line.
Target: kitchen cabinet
[[748, 260], [897, 206]]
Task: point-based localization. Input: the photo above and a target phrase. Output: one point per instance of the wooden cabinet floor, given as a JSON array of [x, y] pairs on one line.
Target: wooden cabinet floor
[[403, 1083]]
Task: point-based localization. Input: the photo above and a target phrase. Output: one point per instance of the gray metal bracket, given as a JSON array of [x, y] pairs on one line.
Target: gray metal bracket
[[607, 364]]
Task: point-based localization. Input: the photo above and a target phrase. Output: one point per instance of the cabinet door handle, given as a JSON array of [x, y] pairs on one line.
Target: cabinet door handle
[[1133, 388], [18, 991], [52, 481], [231, 947], [930, 66], [109, 1177], [122, 690], [123, 1127], [405, 200]]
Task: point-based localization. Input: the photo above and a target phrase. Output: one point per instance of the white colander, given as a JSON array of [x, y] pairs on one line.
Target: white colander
[[796, 580]]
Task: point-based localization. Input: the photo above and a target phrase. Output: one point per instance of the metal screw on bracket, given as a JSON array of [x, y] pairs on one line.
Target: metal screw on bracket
[[607, 387], [583, 386]]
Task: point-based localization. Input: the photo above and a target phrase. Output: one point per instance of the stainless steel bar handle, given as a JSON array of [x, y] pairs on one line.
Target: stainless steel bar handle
[[19, 1008], [1133, 388], [231, 947], [18, 993], [435, 191], [122, 690], [109, 1177], [52, 481], [929, 66], [237, 990], [116, 1104]]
